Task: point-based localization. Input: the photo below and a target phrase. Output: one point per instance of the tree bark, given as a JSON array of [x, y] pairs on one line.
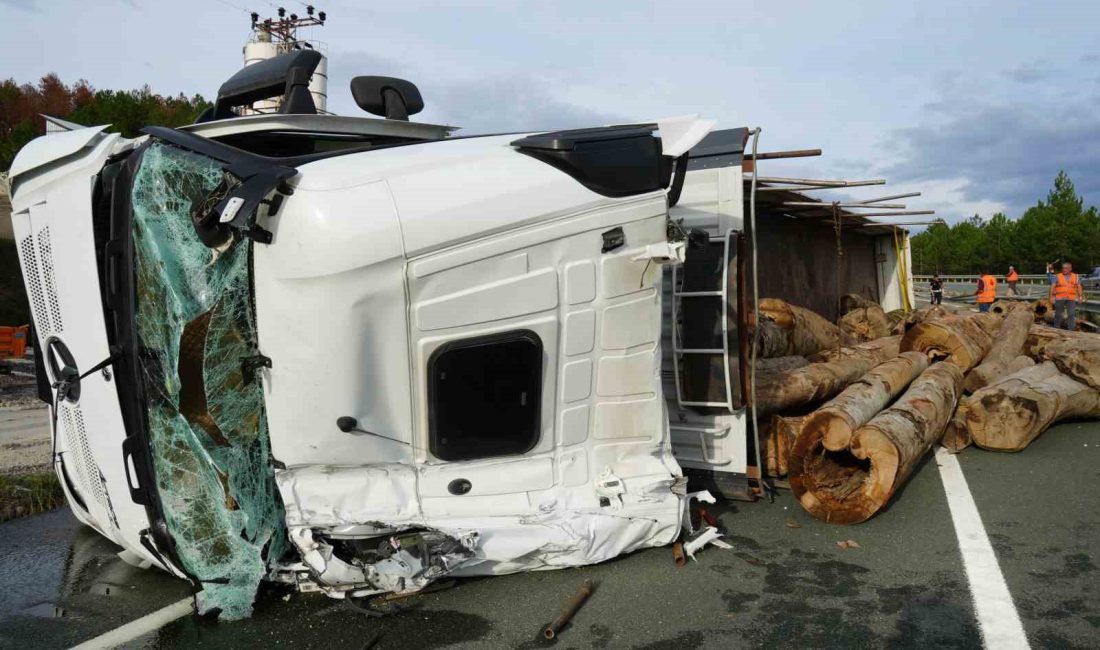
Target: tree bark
[[876, 351], [796, 331], [781, 434], [865, 324], [1009, 414], [851, 485], [962, 340], [1008, 345], [835, 422]]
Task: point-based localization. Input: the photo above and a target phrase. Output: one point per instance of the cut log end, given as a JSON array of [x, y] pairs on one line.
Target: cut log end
[[846, 486], [833, 430]]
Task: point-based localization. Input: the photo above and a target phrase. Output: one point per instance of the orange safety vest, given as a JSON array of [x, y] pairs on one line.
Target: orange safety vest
[[1013, 277], [1065, 288], [989, 289]]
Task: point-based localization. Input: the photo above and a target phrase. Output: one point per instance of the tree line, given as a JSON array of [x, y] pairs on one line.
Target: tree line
[[127, 111], [21, 109], [1058, 229]]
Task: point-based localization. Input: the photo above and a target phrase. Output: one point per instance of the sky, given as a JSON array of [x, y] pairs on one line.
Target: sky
[[976, 104]]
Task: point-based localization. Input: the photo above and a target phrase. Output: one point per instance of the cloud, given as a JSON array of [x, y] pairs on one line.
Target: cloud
[[1028, 73], [492, 104], [25, 5], [1004, 147]]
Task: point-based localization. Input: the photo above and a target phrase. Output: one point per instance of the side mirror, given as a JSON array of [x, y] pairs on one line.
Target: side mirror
[[388, 97]]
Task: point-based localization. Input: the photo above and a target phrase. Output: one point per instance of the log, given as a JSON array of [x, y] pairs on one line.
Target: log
[[1040, 336], [817, 382], [781, 434], [779, 364], [852, 301], [1043, 310], [865, 324], [1007, 415], [1075, 358], [835, 422], [851, 485], [1003, 307], [797, 331], [876, 351], [896, 320], [955, 435], [1007, 345], [962, 340]]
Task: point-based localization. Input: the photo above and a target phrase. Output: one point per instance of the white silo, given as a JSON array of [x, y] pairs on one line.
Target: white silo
[[271, 38]]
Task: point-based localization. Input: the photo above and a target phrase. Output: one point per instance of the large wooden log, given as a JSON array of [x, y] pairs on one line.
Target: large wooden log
[[835, 422], [817, 382], [827, 374], [851, 485], [796, 331], [1007, 415], [865, 324], [1040, 336], [918, 316], [876, 351], [852, 301], [1078, 359], [962, 340], [1007, 345], [955, 436], [779, 364]]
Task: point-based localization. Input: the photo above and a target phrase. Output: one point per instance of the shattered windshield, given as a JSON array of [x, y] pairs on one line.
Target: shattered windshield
[[206, 420]]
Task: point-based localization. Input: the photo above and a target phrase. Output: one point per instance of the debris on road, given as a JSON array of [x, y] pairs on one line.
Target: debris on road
[[678, 557], [571, 607]]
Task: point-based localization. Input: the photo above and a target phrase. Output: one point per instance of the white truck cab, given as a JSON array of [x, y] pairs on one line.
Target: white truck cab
[[360, 354]]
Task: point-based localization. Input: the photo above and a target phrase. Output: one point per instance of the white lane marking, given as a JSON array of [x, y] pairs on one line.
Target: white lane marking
[[997, 617], [143, 625]]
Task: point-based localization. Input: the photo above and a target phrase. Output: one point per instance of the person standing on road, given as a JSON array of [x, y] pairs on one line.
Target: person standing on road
[[937, 289], [987, 291], [1065, 293], [1012, 278]]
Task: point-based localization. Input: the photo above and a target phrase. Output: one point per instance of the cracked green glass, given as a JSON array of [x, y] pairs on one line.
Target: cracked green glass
[[206, 420]]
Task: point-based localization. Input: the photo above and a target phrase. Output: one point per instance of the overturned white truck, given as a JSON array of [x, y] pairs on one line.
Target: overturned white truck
[[358, 354]]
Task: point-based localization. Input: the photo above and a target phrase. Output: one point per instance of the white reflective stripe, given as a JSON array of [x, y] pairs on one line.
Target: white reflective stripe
[[143, 625], [997, 617]]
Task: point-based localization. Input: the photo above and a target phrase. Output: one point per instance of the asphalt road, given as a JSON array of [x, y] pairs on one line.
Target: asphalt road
[[785, 583]]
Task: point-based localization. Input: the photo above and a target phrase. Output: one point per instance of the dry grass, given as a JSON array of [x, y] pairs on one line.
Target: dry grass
[[28, 494]]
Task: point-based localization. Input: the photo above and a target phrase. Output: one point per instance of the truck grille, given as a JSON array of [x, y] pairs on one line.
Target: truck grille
[[42, 286]]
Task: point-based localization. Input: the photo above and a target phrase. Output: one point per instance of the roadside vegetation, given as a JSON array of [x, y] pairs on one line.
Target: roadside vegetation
[[29, 494], [1059, 228], [127, 111]]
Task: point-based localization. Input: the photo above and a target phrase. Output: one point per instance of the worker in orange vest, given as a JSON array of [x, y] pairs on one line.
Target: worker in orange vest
[[1065, 293], [1012, 278], [987, 291]]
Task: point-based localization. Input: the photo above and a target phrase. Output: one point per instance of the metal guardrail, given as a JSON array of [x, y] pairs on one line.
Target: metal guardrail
[[1090, 304], [1024, 279]]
